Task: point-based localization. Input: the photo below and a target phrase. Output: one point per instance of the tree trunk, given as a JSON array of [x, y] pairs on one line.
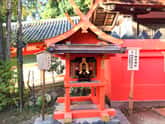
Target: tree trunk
[[1, 42], [20, 56], [8, 30], [2, 56]]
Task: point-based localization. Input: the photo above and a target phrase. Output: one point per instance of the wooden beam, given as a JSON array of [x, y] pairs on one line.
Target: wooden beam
[[76, 9], [94, 16], [69, 19], [131, 93], [103, 35]]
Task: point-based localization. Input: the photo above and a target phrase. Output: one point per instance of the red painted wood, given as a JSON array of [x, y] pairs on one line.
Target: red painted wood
[[84, 113], [75, 99], [149, 80], [98, 94], [66, 82], [146, 44], [102, 89], [108, 81], [99, 84], [92, 92], [83, 38]]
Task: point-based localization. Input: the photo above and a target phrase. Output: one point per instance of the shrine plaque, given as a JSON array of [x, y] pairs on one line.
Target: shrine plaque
[[44, 60], [133, 59]]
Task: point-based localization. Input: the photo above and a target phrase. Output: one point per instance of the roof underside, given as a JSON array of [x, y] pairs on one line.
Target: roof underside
[[151, 18], [135, 6], [152, 15]]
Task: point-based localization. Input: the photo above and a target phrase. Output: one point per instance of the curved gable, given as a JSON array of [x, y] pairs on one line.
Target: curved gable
[[105, 37]]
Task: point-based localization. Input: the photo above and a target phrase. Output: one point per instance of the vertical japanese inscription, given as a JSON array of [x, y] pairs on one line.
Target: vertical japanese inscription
[[133, 59]]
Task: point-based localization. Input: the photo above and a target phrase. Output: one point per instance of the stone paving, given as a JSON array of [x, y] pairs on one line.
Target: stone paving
[[148, 117], [119, 119], [160, 111], [144, 112]]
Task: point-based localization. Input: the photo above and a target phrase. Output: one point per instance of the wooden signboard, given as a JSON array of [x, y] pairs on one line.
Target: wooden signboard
[[44, 60], [44, 63]]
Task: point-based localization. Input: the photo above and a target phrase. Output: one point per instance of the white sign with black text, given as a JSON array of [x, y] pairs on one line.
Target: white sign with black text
[[133, 59]]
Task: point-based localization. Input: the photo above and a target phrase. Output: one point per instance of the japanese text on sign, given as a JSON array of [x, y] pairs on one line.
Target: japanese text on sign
[[133, 59]]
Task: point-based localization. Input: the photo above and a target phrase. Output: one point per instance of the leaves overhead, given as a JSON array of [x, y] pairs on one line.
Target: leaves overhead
[[59, 7], [46, 9]]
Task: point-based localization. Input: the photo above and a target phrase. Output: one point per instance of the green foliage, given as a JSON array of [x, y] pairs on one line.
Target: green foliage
[[39, 100], [52, 9], [3, 10], [8, 91], [58, 8], [57, 65]]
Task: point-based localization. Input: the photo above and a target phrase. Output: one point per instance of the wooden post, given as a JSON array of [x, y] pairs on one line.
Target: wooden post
[[43, 95], [138, 29], [133, 65], [131, 93], [102, 88], [67, 89], [69, 19], [2, 55], [68, 114]]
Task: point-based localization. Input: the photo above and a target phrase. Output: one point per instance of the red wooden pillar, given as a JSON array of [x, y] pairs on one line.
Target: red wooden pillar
[[109, 82], [98, 63], [102, 88], [92, 92], [66, 82]]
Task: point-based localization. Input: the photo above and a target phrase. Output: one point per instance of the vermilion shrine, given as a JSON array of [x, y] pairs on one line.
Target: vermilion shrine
[[85, 54]]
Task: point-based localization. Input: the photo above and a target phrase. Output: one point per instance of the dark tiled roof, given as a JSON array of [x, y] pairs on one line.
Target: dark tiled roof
[[44, 29]]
